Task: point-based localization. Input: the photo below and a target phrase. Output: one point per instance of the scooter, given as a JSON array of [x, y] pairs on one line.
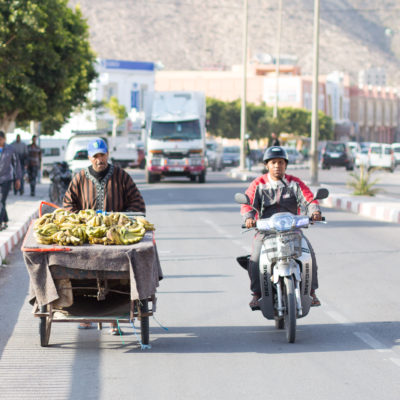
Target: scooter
[[60, 178], [285, 267]]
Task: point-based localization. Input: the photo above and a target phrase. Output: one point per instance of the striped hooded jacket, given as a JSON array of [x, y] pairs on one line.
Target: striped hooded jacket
[[290, 195], [115, 192]]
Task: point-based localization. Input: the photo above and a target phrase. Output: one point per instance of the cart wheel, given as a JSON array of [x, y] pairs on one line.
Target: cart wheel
[[144, 322], [44, 328]]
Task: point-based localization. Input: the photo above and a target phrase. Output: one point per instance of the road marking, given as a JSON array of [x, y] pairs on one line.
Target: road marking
[[396, 361], [227, 235], [364, 336], [372, 342], [339, 318]]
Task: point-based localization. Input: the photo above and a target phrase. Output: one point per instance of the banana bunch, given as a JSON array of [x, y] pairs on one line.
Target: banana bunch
[[44, 233], [96, 231], [85, 215], [43, 220], [65, 238], [146, 224], [97, 220], [80, 233], [66, 228], [130, 235]]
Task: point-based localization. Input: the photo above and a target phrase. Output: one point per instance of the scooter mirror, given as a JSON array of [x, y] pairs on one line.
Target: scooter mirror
[[242, 198], [322, 193]]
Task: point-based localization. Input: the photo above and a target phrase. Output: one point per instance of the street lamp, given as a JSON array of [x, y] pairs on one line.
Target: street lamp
[[244, 89], [315, 98], [278, 60]]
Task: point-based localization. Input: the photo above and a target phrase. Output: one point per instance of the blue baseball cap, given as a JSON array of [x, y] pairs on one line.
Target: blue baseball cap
[[97, 146]]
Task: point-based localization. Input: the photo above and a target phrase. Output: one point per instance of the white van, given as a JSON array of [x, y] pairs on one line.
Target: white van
[[53, 150], [396, 152], [381, 155]]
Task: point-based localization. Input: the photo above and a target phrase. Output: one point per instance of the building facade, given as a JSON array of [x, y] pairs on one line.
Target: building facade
[[127, 81]]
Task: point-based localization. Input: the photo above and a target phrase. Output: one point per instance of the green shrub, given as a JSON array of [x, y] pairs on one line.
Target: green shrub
[[361, 184]]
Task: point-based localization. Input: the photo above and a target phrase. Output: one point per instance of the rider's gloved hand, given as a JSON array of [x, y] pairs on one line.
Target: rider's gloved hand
[[316, 216], [250, 222]]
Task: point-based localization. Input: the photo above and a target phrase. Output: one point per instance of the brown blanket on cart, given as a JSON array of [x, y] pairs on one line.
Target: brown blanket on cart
[[140, 260]]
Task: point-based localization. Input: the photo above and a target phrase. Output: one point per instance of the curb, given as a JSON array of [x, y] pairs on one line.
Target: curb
[[8, 244], [387, 212]]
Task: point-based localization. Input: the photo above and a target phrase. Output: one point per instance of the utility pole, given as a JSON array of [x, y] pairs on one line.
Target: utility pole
[[244, 90], [315, 98], [278, 59]]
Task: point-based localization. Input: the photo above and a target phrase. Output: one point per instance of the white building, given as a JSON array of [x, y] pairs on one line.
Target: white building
[[127, 81]]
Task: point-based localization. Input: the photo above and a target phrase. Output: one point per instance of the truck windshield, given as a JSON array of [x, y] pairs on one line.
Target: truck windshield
[[182, 130]]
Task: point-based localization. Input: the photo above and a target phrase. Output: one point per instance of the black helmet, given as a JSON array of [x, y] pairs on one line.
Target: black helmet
[[275, 152]]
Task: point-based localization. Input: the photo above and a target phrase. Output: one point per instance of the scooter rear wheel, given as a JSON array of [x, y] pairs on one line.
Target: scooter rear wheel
[[290, 311]]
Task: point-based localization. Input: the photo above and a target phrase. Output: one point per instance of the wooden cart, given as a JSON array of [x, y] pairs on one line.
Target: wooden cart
[[108, 284]]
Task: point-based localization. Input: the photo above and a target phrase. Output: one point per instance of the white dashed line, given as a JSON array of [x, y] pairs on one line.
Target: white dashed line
[[372, 342], [227, 235]]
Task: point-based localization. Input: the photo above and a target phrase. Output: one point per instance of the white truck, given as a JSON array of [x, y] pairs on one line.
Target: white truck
[[175, 135]]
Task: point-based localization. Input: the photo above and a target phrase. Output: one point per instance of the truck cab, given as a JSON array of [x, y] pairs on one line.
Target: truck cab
[[175, 135]]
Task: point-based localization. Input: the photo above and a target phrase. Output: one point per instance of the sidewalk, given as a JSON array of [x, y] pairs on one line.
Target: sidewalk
[[378, 207], [21, 210]]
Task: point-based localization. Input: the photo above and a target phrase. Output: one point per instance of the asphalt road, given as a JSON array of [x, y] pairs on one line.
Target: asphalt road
[[215, 346]]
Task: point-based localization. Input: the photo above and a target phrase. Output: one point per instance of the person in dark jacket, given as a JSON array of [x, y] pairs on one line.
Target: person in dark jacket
[[34, 162], [102, 186], [10, 171], [22, 151], [275, 192]]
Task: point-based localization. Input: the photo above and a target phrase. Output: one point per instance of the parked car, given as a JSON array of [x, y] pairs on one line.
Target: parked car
[[396, 152], [214, 156], [381, 155], [362, 157], [295, 157], [337, 154], [231, 156], [354, 147]]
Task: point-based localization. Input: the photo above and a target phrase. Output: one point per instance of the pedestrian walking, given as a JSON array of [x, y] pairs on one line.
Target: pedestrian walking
[[274, 140], [33, 163], [22, 152], [10, 171]]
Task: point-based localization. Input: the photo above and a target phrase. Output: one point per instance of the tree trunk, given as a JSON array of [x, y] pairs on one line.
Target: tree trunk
[[7, 120]]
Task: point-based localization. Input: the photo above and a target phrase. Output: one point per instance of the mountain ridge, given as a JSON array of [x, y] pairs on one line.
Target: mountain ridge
[[199, 34]]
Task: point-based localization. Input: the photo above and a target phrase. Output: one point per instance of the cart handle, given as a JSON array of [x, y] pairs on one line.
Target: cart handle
[[45, 203]]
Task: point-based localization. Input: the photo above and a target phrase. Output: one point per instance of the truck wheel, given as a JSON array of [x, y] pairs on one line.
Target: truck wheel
[[202, 177], [150, 178], [192, 178]]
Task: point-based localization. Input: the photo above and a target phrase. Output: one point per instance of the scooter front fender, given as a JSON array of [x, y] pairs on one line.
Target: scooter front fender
[[286, 268]]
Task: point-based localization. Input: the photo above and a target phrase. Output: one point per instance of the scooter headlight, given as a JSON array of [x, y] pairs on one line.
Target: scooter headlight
[[282, 222]]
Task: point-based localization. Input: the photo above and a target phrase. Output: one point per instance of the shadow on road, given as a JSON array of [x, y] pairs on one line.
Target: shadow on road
[[268, 340]]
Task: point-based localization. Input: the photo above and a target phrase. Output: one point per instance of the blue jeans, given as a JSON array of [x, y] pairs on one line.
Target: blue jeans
[[32, 174], [4, 190]]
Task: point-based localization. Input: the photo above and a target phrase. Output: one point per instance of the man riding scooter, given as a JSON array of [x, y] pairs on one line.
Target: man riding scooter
[[275, 192]]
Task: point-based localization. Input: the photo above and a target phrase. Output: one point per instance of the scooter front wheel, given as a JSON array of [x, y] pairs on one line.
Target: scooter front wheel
[[290, 309]]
